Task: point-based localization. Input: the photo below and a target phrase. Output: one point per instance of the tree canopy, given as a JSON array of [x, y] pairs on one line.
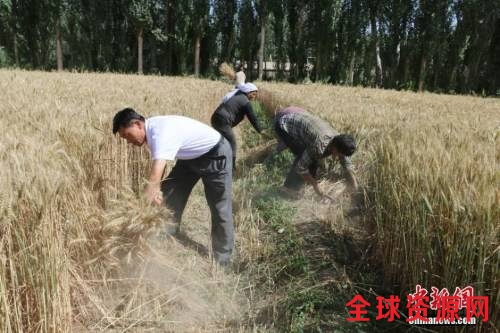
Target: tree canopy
[[436, 45]]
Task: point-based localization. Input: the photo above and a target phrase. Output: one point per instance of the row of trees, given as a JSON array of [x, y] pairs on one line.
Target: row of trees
[[437, 45]]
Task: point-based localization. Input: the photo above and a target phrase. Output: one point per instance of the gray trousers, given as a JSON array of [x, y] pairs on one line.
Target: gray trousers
[[215, 170], [223, 125]]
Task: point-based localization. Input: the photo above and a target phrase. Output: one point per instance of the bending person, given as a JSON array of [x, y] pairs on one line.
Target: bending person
[[234, 107], [310, 139], [201, 153]]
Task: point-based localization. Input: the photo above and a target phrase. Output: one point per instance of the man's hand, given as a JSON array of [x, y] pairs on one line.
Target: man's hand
[[158, 200], [310, 179], [153, 194], [152, 191]]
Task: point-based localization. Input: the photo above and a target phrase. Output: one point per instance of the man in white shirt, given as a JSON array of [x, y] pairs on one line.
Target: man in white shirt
[[201, 152]]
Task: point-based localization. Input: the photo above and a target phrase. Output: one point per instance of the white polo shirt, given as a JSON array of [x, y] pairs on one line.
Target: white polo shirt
[[171, 137]]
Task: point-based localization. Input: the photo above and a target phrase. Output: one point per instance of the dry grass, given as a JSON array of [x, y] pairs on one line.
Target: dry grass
[[78, 249], [71, 224], [430, 168], [272, 102], [227, 70]]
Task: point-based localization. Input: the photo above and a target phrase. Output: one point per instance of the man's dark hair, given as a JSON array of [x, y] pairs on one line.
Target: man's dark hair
[[343, 143], [124, 117]]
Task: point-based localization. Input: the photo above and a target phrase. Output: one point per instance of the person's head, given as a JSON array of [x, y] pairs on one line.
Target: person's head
[[249, 89], [130, 125], [341, 145], [239, 67]]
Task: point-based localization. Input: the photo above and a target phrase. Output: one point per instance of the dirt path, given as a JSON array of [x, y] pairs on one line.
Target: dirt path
[[297, 263]]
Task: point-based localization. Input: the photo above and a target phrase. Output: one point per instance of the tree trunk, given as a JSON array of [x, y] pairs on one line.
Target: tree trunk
[[301, 55], [493, 66], [379, 71], [436, 73], [197, 47], [154, 63], [280, 50], [481, 46], [230, 45], [350, 76], [406, 69], [180, 59], [422, 72], [59, 53], [34, 53], [318, 64], [140, 41], [16, 50], [169, 31], [376, 51], [395, 65], [262, 44], [452, 82], [401, 41]]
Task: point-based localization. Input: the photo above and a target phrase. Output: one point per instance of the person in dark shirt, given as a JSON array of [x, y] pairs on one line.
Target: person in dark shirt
[[234, 107]]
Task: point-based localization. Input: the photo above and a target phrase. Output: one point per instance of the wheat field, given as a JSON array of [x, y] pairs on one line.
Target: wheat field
[[80, 251]]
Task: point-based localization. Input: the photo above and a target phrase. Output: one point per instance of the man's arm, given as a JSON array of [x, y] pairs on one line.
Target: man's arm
[[252, 117], [303, 170], [152, 190], [349, 172], [310, 180]]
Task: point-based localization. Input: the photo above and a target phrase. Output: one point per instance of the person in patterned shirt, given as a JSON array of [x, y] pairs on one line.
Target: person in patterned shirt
[[310, 139]]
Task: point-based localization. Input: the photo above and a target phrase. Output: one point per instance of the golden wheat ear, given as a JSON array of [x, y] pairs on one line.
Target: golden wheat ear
[[271, 103], [227, 70]]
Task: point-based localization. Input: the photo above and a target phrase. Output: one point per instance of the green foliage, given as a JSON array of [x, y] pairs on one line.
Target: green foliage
[[252, 138], [443, 46], [5, 61], [275, 212], [5, 7], [308, 304], [278, 216], [304, 305], [277, 163], [247, 42], [140, 12]]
